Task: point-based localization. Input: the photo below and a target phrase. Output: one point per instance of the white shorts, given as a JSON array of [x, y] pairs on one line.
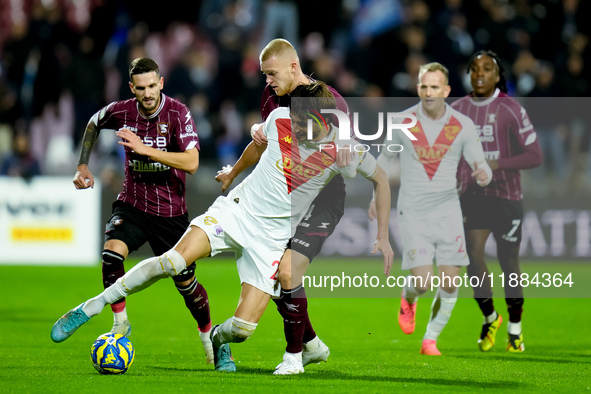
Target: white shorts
[[440, 237], [230, 228]]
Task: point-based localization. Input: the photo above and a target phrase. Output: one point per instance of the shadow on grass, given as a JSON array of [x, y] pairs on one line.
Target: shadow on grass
[[584, 359], [340, 376]]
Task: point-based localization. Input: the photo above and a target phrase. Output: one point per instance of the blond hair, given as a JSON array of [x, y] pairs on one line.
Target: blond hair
[[431, 67], [278, 47]]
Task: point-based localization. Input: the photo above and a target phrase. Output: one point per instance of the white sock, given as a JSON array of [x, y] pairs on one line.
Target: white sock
[[443, 305], [233, 330], [409, 292], [514, 328], [491, 318], [312, 343], [142, 275], [120, 317]]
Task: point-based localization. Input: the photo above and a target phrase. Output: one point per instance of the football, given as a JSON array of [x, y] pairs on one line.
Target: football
[[112, 354]]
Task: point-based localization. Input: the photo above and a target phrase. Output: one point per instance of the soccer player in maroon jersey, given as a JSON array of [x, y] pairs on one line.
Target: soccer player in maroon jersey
[[161, 146], [510, 144], [280, 64]]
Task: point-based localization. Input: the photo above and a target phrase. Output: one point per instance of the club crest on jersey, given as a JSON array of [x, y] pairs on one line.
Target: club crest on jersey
[[163, 128], [491, 118], [327, 160], [451, 131]]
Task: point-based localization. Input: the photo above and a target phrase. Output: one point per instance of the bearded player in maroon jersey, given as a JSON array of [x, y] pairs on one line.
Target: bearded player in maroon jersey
[[510, 145], [161, 146]]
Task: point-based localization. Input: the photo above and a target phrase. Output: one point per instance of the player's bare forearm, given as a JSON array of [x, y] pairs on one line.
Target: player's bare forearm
[[251, 155], [187, 161], [382, 201], [88, 140]]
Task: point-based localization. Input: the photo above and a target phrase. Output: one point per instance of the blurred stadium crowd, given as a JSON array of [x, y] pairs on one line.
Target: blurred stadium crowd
[[61, 60]]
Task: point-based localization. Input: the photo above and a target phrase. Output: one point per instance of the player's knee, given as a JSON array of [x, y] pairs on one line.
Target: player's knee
[[111, 258], [242, 329], [284, 277], [172, 263]]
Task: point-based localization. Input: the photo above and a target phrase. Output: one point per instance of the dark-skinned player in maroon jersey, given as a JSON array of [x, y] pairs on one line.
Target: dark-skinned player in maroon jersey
[[510, 145], [161, 147]]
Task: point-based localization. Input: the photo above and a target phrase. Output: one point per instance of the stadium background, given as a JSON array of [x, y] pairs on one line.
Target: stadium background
[[60, 61]]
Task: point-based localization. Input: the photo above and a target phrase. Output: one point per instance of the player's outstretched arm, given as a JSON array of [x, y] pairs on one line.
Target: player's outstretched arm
[[83, 178], [187, 161], [385, 163], [251, 155], [382, 202]]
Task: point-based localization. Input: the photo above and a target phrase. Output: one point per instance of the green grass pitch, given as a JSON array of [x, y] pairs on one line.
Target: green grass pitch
[[369, 353]]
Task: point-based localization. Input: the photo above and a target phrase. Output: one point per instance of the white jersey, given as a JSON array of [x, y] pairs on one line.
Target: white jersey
[[317, 166], [429, 164], [264, 193], [289, 176]]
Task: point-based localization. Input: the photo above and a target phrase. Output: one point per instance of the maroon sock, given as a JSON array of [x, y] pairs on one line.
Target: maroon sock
[[309, 332], [293, 307], [486, 306], [515, 309], [197, 302], [113, 269]]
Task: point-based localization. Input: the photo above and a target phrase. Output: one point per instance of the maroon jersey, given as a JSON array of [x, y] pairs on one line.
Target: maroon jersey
[[150, 186], [270, 101], [507, 136]]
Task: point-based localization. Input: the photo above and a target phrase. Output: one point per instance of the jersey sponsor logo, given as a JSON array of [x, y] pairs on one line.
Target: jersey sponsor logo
[[486, 133], [142, 166], [431, 155], [134, 129], [494, 155], [163, 127], [304, 171], [188, 117], [298, 171], [187, 135], [210, 220]]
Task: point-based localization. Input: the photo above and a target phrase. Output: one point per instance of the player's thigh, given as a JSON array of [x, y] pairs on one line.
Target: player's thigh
[[320, 221], [292, 267], [417, 243], [252, 303], [166, 232], [450, 240], [258, 263], [508, 225], [193, 245], [125, 225]]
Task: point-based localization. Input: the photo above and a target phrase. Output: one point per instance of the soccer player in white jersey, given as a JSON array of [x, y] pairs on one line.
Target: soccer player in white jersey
[[254, 221], [429, 212]]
